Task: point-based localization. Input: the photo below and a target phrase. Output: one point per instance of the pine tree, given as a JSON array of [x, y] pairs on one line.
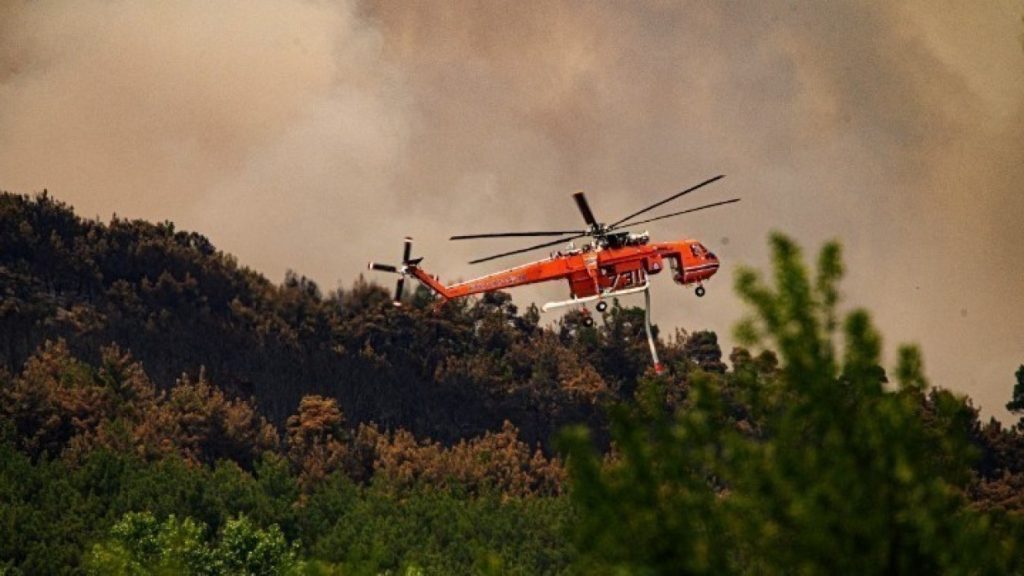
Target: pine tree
[[1016, 403]]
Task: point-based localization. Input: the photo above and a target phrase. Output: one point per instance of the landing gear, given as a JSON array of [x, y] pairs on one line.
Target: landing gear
[[601, 306], [699, 291], [587, 320]]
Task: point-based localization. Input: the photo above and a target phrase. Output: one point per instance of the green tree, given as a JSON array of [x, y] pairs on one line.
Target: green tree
[[651, 507], [139, 544], [840, 473], [850, 480], [246, 549]]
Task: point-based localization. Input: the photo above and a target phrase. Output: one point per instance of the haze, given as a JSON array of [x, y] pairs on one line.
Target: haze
[[314, 135]]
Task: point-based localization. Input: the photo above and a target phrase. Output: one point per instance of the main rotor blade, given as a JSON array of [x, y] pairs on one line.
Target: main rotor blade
[[669, 199], [407, 251], [516, 234], [581, 203], [520, 251], [679, 213]]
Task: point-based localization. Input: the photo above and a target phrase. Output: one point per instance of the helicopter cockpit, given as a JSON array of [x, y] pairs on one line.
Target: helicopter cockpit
[[694, 264], [700, 252]]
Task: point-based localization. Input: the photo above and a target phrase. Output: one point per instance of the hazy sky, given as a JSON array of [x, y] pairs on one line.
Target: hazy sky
[[314, 135]]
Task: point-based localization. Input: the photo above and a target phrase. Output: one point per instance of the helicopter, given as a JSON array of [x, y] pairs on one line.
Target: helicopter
[[614, 262]]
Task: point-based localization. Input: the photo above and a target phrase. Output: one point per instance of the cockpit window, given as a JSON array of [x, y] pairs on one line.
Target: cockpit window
[[698, 250]]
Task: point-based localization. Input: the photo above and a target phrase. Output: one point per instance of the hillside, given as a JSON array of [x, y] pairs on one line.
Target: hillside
[[179, 305], [165, 410]]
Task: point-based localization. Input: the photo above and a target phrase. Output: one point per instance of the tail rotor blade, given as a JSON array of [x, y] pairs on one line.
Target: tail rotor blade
[[382, 267], [407, 252], [399, 287], [581, 203]]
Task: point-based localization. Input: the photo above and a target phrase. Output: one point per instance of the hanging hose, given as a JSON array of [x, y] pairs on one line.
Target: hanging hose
[[658, 368]]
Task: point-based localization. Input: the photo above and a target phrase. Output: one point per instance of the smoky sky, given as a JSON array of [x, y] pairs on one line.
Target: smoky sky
[[314, 135]]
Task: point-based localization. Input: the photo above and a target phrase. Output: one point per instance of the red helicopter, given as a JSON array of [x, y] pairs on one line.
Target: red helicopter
[[614, 262]]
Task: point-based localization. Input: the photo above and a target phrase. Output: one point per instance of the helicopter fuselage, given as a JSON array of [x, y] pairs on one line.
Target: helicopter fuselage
[[593, 270]]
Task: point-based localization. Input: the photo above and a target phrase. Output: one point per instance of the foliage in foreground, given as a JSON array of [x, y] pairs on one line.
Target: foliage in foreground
[[830, 468]]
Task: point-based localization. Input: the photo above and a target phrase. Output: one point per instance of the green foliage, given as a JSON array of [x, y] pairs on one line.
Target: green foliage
[[837, 473], [350, 530], [141, 545], [371, 531], [120, 514], [245, 549], [651, 508]]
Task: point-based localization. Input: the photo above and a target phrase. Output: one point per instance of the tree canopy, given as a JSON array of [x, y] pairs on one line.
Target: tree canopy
[[165, 410]]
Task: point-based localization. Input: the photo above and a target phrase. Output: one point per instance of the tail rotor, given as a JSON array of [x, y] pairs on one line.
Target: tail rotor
[[402, 270]]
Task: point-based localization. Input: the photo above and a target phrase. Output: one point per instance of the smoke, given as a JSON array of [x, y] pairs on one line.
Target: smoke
[[313, 135]]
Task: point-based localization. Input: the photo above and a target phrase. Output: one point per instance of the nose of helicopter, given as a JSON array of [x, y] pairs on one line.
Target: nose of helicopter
[[706, 269], [712, 264]]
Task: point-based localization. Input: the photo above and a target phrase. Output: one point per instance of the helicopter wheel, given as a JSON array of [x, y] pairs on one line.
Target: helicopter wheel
[[601, 306], [588, 321], [699, 291]]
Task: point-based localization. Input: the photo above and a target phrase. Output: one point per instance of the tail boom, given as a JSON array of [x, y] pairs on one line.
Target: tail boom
[[519, 276], [431, 282]]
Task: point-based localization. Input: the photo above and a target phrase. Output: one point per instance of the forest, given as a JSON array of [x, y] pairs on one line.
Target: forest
[[166, 410]]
